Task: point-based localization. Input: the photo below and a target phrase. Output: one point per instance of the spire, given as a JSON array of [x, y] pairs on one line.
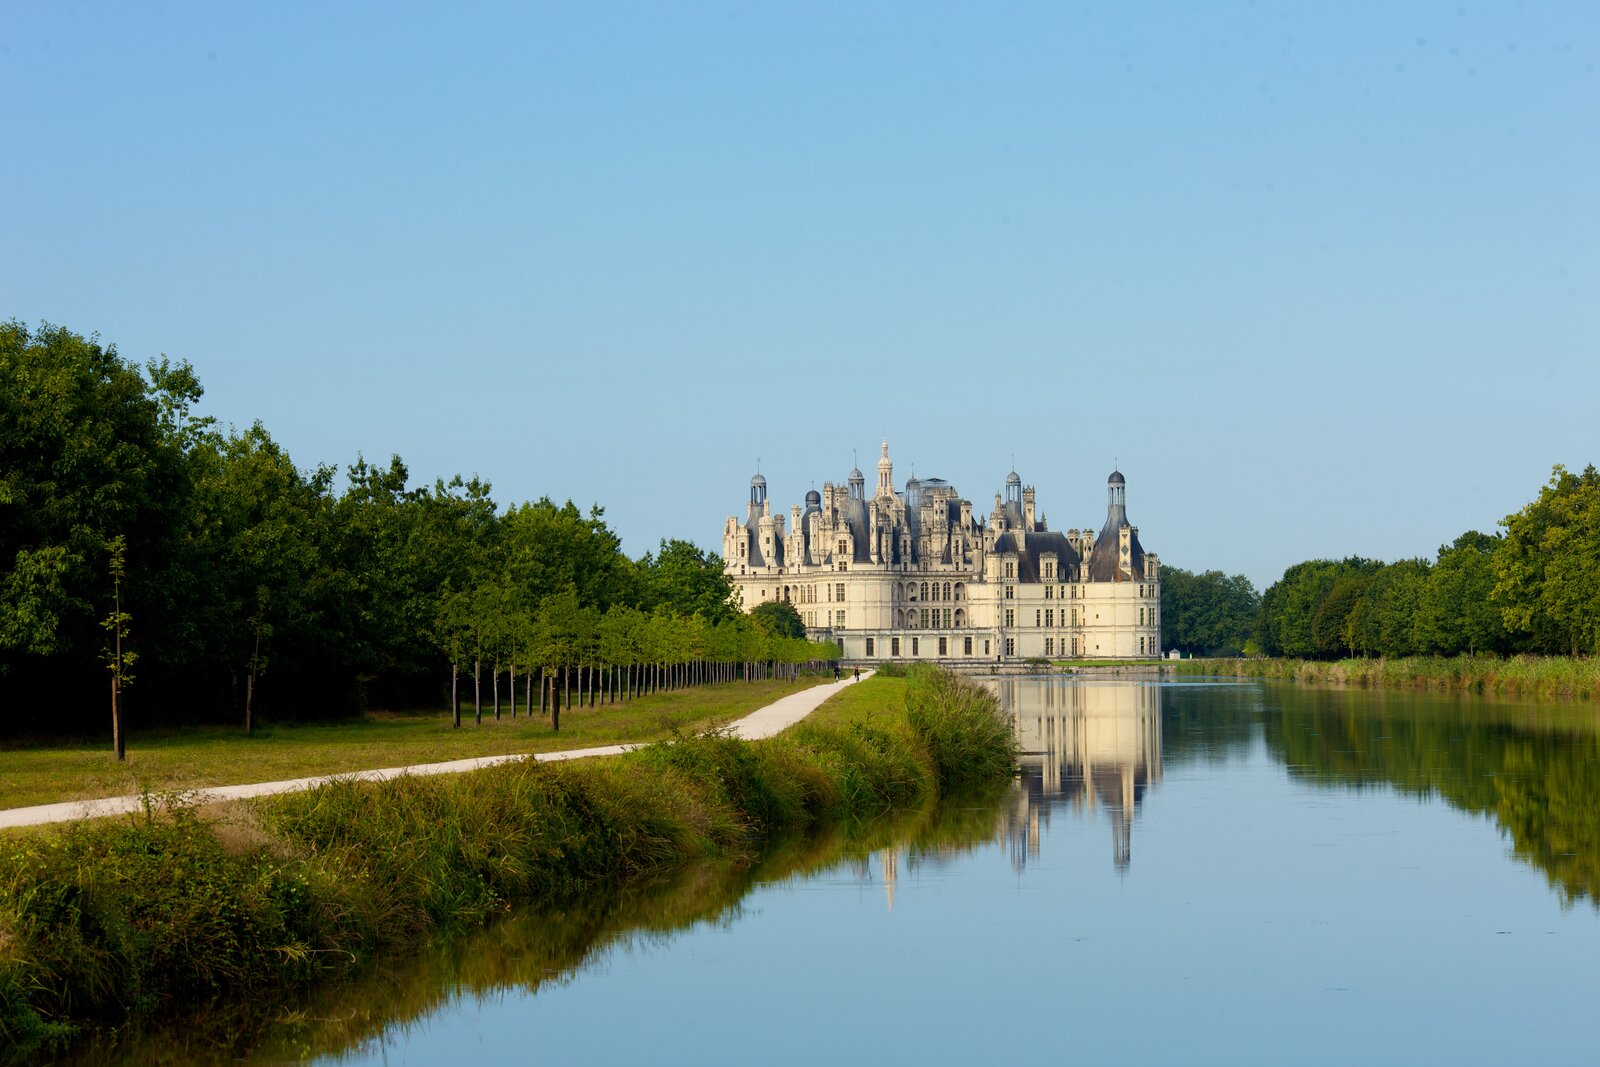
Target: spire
[[885, 472]]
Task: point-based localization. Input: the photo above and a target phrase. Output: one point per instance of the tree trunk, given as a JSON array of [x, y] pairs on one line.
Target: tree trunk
[[455, 695], [477, 691], [494, 684], [116, 714], [249, 703]]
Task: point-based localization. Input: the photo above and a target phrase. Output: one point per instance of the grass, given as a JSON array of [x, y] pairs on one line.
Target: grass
[[1546, 677], [861, 702], [111, 921], [177, 760]]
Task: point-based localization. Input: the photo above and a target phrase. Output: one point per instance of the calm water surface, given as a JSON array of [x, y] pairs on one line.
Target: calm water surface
[[1184, 872]]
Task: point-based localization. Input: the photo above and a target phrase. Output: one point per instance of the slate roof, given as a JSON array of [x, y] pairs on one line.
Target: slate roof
[[1034, 546]]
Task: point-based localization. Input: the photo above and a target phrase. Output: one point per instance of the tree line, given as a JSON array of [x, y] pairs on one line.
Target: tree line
[[1533, 588], [204, 575]]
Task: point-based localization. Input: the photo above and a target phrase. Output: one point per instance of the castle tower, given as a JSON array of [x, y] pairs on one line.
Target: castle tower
[[885, 472], [758, 496]]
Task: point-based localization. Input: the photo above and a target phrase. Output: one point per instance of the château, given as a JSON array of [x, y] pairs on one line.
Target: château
[[917, 574]]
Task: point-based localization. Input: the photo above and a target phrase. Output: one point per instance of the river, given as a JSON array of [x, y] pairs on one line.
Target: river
[[1196, 871]]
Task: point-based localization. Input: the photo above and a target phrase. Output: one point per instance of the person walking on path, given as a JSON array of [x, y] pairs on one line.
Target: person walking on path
[[858, 674]]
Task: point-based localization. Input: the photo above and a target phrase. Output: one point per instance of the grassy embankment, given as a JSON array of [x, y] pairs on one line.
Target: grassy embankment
[[113, 920], [1548, 677], [179, 759]]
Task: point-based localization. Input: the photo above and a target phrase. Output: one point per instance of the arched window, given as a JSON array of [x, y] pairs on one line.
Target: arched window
[[947, 590], [924, 590]]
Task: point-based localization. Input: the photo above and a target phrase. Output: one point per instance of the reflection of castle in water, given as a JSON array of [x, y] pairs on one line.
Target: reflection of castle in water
[[1083, 745]]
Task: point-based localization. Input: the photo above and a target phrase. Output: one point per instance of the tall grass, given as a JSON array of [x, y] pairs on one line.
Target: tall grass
[[105, 922], [1548, 677]]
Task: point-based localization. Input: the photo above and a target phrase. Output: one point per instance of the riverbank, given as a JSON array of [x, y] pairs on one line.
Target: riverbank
[[1545, 677], [108, 922]]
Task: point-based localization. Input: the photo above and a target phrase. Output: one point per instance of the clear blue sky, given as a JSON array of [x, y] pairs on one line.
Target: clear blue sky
[[1323, 279]]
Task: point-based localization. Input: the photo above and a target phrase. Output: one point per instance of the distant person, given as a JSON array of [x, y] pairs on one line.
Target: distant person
[[858, 674], [836, 672]]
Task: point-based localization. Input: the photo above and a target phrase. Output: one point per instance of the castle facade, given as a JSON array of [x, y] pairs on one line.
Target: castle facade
[[918, 575]]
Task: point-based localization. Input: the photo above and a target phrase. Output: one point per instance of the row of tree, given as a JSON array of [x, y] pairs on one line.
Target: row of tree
[[1534, 588], [218, 577]]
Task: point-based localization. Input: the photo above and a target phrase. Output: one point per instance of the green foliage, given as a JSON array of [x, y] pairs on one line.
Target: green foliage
[[237, 560], [778, 619], [687, 581], [1289, 607], [1209, 613], [1535, 589], [1547, 570]]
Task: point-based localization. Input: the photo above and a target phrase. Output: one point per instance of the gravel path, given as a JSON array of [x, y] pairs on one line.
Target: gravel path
[[763, 722]]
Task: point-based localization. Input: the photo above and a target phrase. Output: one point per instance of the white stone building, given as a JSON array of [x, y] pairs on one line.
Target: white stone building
[[917, 575]]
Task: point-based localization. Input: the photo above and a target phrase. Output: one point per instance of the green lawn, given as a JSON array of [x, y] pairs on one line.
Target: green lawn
[[204, 756], [860, 702]]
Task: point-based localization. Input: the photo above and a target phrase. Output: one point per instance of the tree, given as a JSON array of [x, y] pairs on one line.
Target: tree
[[83, 460], [119, 660], [1547, 570], [1209, 613], [778, 619], [1331, 634], [682, 578], [1457, 612], [1289, 607]]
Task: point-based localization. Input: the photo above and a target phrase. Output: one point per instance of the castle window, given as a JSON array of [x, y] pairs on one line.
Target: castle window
[[1036, 616], [1011, 569], [1141, 616], [869, 647], [947, 618], [1048, 590], [1010, 590], [943, 649], [947, 590], [1050, 618], [914, 649], [1011, 647], [966, 646], [924, 622], [1049, 646], [841, 620], [985, 647], [1011, 617], [839, 592], [894, 646]]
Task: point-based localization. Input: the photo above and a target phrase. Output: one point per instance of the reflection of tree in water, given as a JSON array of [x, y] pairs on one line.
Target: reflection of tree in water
[[1536, 769], [1083, 746], [533, 949]]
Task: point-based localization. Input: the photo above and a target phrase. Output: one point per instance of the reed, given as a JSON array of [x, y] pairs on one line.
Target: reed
[[1544, 677]]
